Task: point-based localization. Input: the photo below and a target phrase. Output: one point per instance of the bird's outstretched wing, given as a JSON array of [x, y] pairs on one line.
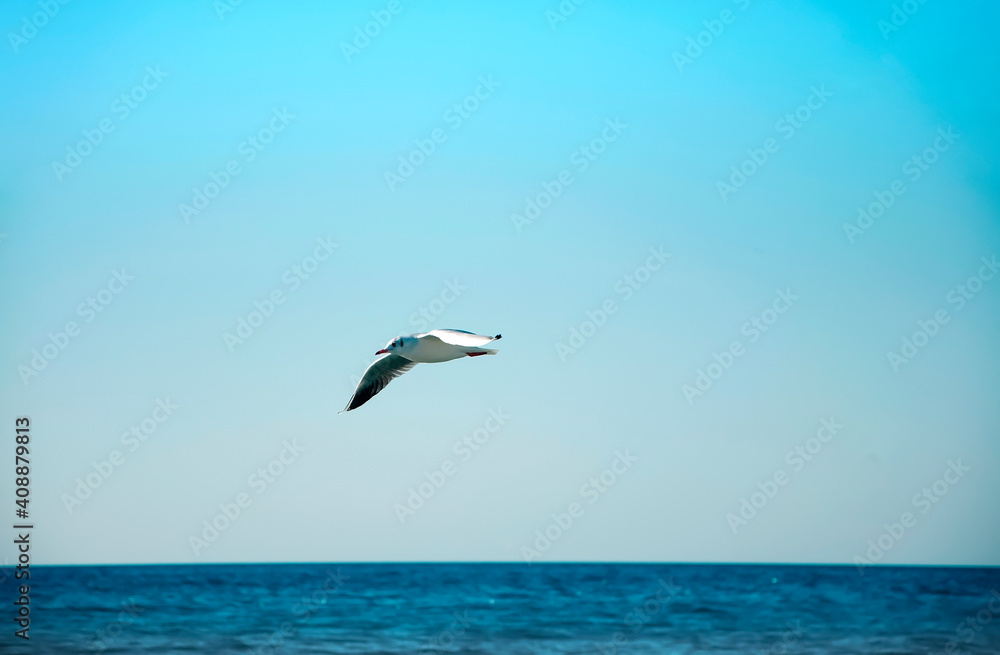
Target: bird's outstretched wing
[[380, 373], [462, 338]]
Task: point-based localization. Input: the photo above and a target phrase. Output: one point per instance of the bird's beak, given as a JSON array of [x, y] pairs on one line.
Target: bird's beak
[[381, 352]]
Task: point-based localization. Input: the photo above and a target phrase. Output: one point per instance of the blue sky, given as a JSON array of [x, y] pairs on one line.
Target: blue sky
[[309, 135]]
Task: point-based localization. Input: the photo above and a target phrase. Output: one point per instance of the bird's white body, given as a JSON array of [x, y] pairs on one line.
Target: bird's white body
[[403, 353], [429, 348]]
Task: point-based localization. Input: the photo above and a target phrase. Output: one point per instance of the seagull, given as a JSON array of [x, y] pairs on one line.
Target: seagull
[[403, 353]]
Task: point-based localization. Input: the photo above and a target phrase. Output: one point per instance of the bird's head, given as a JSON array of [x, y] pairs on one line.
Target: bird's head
[[396, 345]]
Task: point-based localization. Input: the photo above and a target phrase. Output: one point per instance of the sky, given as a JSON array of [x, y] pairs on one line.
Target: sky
[[742, 255]]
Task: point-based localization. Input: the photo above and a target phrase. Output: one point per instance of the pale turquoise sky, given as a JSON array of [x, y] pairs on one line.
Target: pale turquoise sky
[[507, 98]]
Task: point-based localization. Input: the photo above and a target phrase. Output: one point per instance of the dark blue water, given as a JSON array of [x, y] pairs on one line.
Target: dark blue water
[[507, 608]]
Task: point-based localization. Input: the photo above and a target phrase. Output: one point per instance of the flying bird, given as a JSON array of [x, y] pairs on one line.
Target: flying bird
[[403, 353]]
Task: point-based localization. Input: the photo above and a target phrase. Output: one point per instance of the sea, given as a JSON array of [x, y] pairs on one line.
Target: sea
[[597, 608]]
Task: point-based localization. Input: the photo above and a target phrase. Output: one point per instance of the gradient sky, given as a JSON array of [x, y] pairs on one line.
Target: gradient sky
[[449, 223]]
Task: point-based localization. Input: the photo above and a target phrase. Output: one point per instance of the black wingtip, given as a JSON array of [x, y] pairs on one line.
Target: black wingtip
[[497, 337]]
